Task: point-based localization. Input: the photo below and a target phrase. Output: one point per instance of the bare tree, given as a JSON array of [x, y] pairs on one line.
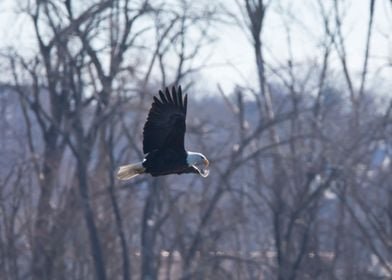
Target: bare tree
[[300, 157]]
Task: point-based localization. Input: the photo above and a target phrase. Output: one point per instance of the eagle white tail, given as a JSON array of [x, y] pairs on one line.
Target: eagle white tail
[[129, 171]]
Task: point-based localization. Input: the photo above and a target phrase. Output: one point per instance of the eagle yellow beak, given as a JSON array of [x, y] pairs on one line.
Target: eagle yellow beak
[[204, 170]]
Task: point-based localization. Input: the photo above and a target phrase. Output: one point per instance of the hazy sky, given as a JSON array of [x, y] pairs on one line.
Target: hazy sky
[[232, 59]]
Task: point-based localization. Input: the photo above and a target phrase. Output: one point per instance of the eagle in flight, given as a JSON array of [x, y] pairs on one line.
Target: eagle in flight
[[163, 141]]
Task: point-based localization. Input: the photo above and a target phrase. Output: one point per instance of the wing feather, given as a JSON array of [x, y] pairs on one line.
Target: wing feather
[[165, 126], [157, 101], [163, 98], [185, 103], [175, 96], [168, 97]]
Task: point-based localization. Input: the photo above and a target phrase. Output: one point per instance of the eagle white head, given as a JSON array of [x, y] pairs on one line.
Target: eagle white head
[[199, 162]]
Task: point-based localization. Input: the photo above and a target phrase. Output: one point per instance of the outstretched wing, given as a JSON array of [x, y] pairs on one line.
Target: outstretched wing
[[165, 126]]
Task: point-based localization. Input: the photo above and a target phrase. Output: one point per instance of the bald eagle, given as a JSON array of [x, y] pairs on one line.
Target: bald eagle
[[163, 141]]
